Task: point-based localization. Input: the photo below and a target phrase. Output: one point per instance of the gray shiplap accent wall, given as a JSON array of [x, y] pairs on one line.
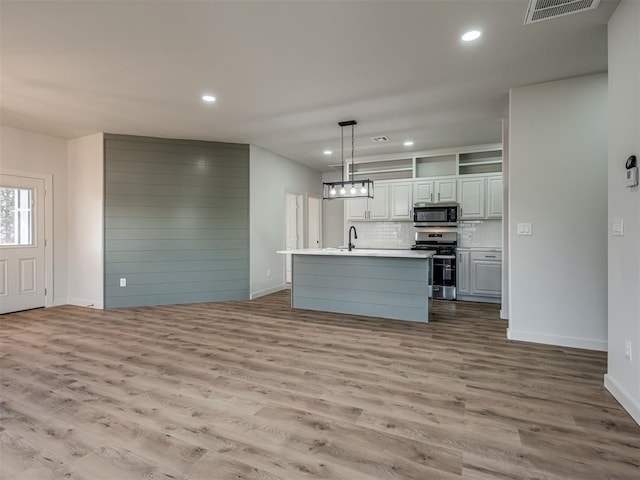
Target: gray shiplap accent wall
[[176, 221]]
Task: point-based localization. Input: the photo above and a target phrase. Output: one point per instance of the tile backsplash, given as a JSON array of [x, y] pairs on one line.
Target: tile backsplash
[[383, 234], [479, 233]]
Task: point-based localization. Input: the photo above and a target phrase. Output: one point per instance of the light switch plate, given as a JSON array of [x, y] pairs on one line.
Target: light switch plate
[[618, 227], [524, 229], [123, 282]]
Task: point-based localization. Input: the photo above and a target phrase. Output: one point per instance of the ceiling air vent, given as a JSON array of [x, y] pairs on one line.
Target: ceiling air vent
[[381, 138], [539, 10]]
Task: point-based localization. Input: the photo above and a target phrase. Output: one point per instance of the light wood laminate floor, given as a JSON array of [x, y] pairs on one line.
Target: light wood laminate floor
[[255, 390]]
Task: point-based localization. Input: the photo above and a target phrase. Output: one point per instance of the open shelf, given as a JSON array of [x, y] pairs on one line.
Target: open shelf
[[436, 166], [480, 162]]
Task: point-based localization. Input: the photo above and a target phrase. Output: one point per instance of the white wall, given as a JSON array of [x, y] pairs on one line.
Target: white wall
[[31, 152], [558, 183], [504, 310], [623, 376], [270, 177], [333, 227], [85, 211]]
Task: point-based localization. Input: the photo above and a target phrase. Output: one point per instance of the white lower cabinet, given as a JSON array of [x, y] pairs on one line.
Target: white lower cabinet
[[486, 273], [479, 274], [462, 273]]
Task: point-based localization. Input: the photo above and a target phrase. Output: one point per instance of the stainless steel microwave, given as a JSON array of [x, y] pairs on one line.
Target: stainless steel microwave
[[435, 214]]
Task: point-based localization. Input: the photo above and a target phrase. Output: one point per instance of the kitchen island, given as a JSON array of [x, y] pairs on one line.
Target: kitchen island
[[377, 283]]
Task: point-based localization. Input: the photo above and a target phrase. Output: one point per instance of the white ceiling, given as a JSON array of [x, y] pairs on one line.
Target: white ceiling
[[284, 73]]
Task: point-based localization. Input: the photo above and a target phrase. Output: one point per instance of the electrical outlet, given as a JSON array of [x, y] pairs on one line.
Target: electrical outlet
[[268, 272], [627, 350], [123, 282]]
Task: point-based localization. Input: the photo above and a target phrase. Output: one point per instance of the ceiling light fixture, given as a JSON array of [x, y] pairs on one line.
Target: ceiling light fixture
[[208, 98], [471, 36], [357, 188], [327, 152], [408, 143]]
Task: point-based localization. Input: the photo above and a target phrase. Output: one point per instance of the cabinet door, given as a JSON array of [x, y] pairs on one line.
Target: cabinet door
[[379, 204], [494, 197], [401, 201], [463, 273], [445, 190], [423, 191], [486, 276], [356, 208], [471, 198]]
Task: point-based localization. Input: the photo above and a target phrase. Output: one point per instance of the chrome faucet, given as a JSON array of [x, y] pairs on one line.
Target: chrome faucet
[[355, 236]]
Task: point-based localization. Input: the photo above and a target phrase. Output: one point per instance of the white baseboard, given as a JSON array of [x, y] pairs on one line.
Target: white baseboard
[[79, 302], [504, 315], [573, 342], [620, 394], [478, 299], [266, 291]]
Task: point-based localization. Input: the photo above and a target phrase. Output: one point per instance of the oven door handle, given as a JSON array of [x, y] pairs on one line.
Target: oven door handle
[[445, 257]]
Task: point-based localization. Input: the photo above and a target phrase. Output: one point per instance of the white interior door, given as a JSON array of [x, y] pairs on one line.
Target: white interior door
[[22, 242], [293, 228], [314, 217]]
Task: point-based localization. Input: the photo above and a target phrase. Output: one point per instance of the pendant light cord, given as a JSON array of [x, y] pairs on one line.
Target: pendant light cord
[[342, 151], [352, 155]]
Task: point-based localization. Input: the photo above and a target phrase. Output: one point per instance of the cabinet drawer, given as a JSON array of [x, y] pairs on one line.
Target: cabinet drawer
[[491, 256]]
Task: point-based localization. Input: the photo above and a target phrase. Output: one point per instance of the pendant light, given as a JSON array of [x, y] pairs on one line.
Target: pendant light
[[349, 188]]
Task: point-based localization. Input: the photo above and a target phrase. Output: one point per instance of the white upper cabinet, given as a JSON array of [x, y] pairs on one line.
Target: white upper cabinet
[[401, 201], [434, 191], [471, 195], [423, 191], [376, 208], [356, 208], [379, 204], [445, 190], [494, 197]]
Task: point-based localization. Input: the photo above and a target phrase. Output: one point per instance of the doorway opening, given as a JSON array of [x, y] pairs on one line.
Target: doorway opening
[[294, 231]]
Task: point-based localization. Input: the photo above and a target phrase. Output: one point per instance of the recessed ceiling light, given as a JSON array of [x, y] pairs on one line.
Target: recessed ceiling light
[[327, 152], [471, 35], [408, 143], [208, 98]]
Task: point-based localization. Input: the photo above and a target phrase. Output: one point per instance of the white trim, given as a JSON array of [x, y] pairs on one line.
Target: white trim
[[267, 291], [620, 394], [78, 302], [503, 315], [561, 341], [48, 227]]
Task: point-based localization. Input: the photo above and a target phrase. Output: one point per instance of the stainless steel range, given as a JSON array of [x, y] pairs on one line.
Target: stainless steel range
[[444, 241]]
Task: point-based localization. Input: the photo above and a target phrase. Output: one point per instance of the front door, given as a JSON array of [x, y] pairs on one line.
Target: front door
[[22, 268]]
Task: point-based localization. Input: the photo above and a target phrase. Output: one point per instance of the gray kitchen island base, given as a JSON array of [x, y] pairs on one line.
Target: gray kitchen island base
[[377, 286]]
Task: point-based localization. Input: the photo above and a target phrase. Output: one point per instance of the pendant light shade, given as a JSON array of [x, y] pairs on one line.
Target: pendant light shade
[[347, 188]]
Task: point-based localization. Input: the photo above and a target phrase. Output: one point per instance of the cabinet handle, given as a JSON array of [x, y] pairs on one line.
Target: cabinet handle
[[431, 197], [438, 196], [490, 256]]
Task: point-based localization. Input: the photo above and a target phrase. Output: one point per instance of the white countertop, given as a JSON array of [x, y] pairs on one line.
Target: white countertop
[[363, 252]]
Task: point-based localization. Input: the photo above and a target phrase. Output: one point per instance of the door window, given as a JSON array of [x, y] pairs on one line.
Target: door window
[[16, 216]]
